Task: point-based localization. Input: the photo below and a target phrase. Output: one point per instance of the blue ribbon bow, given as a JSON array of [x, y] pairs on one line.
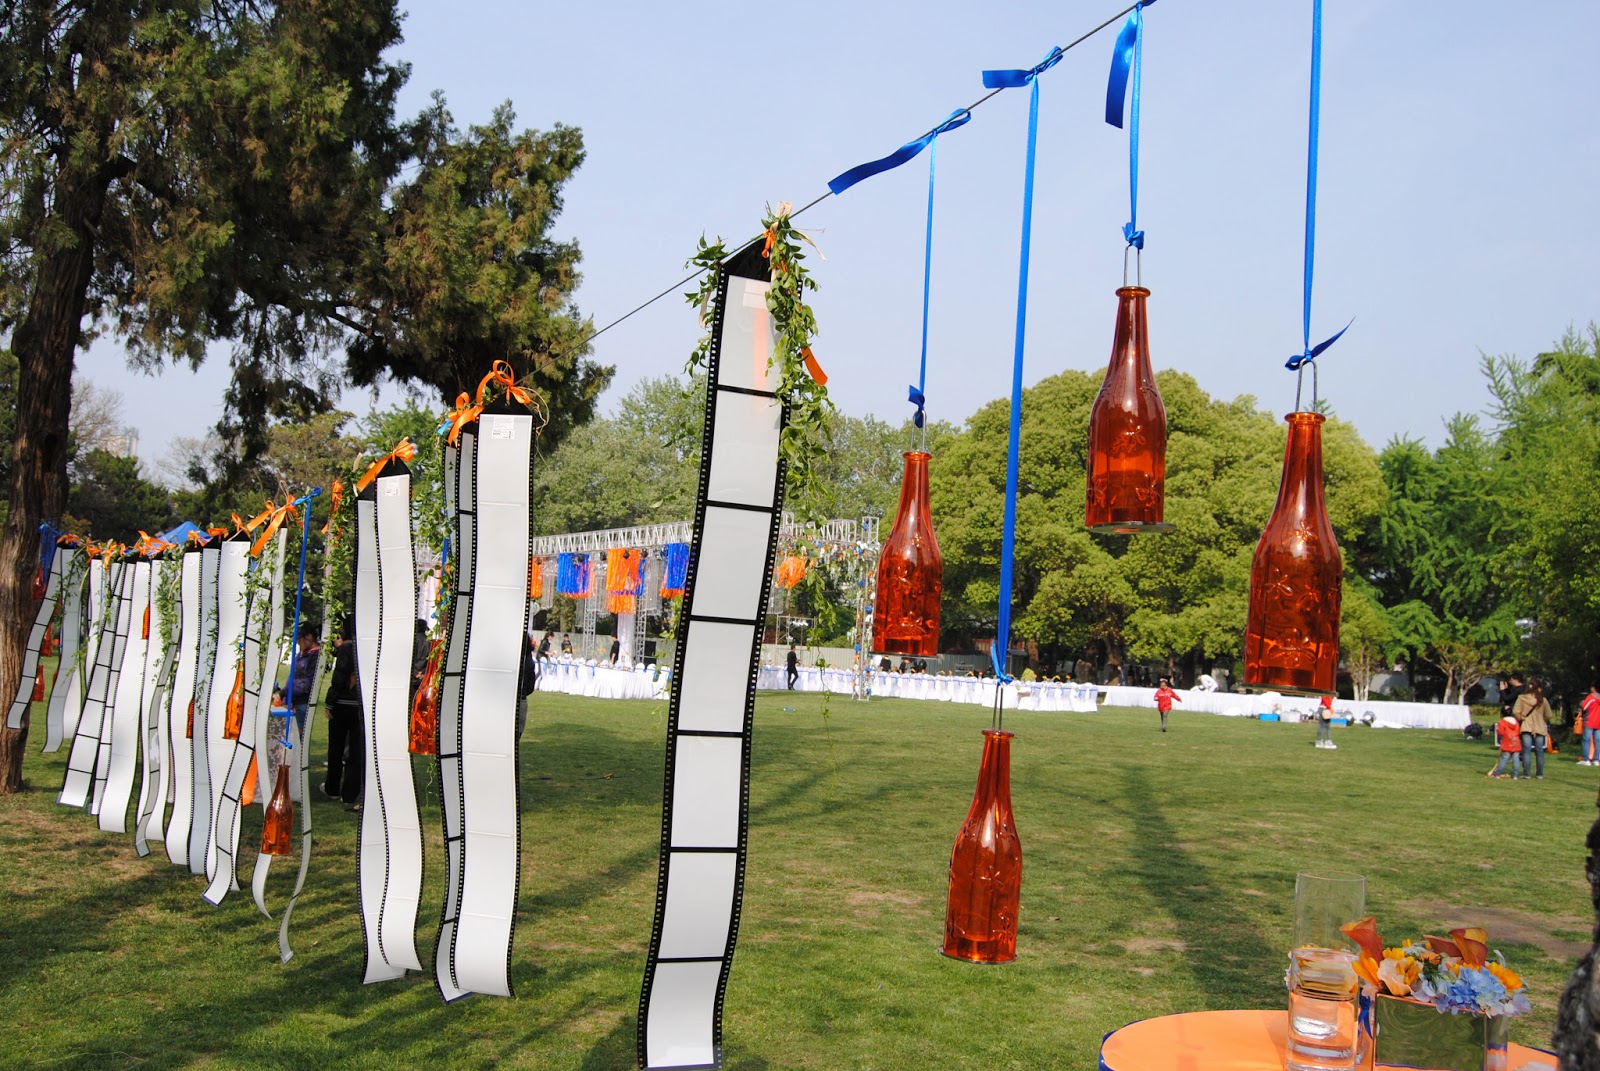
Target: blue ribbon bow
[[1295, 363], [958, 118], [1015, 79]]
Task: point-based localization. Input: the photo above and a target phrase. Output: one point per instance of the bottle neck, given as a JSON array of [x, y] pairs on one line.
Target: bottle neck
[[994, 771], [1301, 487], [914, 484], [1130, 348]]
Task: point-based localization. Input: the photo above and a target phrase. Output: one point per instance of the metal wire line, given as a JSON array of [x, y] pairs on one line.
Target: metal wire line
[[692, 276]]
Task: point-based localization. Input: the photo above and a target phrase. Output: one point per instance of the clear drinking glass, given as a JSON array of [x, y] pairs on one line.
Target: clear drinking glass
[[1324, 1031]]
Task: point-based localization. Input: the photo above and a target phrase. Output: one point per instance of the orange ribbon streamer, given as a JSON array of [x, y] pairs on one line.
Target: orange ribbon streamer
[[403, 452], [814, 368], [459, 417], [274, 517], [333, 504]]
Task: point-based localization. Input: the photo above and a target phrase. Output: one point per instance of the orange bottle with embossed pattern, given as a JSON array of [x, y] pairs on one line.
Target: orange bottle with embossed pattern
[[233, 714], [277, 835], [424, 736], [1291, 640], [905, 615], [1127, 458], [980, 918]]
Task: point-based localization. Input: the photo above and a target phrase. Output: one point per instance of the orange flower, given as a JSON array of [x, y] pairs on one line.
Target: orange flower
[[1471, 940], [1364, 932], [1443, 946], [1508, 977]]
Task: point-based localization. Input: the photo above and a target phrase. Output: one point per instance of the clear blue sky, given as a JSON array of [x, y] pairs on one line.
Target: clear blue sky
[[1457, 205]]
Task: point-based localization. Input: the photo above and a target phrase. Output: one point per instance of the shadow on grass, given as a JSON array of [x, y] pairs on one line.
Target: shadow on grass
[[1223, 951]]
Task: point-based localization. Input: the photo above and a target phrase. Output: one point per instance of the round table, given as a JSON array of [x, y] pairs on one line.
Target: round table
[[1231, 1040]]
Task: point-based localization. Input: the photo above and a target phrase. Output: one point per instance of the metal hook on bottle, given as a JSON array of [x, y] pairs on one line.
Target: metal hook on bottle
[[1138, 264]]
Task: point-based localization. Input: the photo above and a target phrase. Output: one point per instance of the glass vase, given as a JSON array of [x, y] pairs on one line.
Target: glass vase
[[980, 920], [1127, 455], [1324, 1032], [1291, 641], [910, 572], [233, 715], [277, 834]]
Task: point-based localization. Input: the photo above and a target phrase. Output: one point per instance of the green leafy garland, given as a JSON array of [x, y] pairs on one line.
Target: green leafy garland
[[338, 576], [807, 429], [169, 578]]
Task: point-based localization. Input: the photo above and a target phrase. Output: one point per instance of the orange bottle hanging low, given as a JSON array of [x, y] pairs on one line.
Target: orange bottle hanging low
[[1291, 641], [145, 634], [425, 707], [48, 646], [980, 920], [188, 729], [233, 717], [277, 835], [40, 586], [905, 615], [38, 683], [247, 794], [1128, 432]]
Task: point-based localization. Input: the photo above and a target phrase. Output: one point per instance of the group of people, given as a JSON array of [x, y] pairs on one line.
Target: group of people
[[1523, 730]]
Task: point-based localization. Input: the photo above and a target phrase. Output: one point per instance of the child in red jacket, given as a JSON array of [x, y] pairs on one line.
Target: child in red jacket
[[1510, 737], [1164, 697]]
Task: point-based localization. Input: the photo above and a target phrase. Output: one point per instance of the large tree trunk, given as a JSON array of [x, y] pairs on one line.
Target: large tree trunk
[[45, 343]]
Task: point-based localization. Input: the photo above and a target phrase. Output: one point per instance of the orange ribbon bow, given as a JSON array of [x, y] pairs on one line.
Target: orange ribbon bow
[[403, 452], [274, 517]]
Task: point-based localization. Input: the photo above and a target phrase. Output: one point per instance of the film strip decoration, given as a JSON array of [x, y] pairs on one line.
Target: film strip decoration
[[203, 809], [246, 754], [390, 851], [705, 811], [118, 580], [30, 655], [156, 747], [233, 566], [79, 782], [181, 706], [301, 757], [66, 694], [477, 714], [119, 737]]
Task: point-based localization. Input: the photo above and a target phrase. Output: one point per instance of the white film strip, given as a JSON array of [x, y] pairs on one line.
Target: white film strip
[[68, 690], [119, 760], [248, 754], [232, 613], [267, 751], [119, 578], [155, 749], [179, 697], [706, 805], [458, 470], [303, 773], [30, 655], [484, 738], [79, 782], [201, 808], [390, 851]]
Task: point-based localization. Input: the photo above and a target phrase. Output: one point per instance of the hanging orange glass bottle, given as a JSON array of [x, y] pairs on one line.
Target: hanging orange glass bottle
[[424, 738], [188, 729], [233, 715], [1291, 641], [1127, 458], [40, 587], [38, 683], [247, 794], [910, 571], [980, 918], [48, 646], [277, 834]]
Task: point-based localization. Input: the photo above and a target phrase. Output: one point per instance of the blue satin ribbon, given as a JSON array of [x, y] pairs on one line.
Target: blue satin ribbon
[[958, 118], [1310, 353], [294, 632], [1008, 537], [1127, 56], [918, 396], [48, 534], [1015, 79]]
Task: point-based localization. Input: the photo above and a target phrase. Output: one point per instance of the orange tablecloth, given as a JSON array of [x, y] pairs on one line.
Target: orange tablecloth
[[1230, 1041]]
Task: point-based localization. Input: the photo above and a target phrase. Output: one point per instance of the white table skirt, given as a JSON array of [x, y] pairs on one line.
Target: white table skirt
[[571, 677], [1385, 715]]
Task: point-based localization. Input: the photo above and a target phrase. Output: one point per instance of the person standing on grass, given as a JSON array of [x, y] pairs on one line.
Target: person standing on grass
[[1325, 723], [1533, 712], [1506, 731], [792, 667], [346, 754], [1164, 697], [1589, 713]]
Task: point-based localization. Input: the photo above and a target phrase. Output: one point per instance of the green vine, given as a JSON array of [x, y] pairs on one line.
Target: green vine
[[169, 578], [806, 432], [340, 557]]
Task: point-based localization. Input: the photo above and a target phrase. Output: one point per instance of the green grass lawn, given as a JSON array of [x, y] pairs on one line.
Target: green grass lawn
[[1158, 877]]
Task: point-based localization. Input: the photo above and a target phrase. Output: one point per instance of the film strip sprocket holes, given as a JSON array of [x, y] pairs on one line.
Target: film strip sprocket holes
[[232, 614], [68, 692], [303, 773], [119, 578], [114, 783], [267, 750], [30, 655], [182, 693], [458, 467], [391, 820], [705, 812], [160, 662], [202, 809], [496, 491], [248, 750], [78, 783]]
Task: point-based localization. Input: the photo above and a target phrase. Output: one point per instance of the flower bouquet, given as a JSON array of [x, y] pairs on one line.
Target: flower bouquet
[[1443, 1003]]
